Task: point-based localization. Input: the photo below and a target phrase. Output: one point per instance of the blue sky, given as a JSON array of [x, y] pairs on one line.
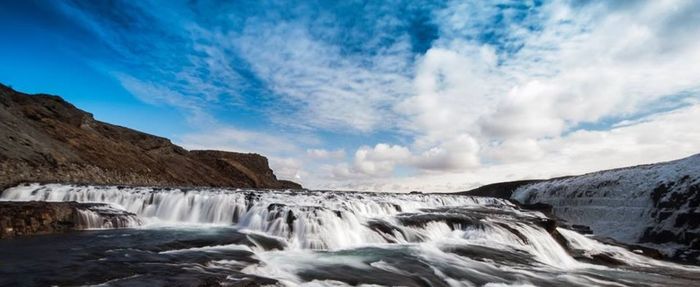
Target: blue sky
[[378, 95]]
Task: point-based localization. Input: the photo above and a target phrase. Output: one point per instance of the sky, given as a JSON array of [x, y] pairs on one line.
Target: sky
[[378, 95]]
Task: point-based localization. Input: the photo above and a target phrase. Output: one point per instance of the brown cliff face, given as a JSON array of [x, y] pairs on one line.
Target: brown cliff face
[[46, 139]]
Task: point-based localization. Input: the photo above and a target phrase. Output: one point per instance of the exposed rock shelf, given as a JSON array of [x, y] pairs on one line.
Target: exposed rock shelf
[[37, 217], [46, 139]]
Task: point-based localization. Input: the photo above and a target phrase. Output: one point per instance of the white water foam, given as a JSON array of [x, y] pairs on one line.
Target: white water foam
[[317, 228]]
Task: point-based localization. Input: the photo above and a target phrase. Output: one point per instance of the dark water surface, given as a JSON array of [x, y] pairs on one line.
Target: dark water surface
[[125, 257]]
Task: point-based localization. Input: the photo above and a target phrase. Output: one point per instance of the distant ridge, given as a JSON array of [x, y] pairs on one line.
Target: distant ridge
[[499, 189], [43, 138], [505, 189], [653, 205]]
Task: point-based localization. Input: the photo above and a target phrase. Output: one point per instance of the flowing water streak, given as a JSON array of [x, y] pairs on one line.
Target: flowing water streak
[[315, 220], [320, 220], [105, 217], [298, 231]]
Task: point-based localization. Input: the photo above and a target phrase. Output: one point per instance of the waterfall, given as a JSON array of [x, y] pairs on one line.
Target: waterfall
[[105, 217], [326, 220], [315, 220]]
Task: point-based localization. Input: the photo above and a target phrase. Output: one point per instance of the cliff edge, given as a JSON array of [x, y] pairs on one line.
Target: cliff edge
[[653, 205], [43, 138]]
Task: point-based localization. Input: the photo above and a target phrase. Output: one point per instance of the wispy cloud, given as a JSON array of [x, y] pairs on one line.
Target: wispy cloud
[[324, 154], [468, 91], [323, 87]]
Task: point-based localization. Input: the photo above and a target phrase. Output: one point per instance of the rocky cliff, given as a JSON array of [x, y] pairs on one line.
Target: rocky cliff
[[43, 138], [655, 205], [499, 189]]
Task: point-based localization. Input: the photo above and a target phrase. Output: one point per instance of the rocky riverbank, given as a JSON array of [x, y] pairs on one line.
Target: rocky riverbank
[[40, 217]]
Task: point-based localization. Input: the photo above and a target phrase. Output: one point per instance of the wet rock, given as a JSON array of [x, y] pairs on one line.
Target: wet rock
[[601, 259], [250, 199], [646, 251], [581, 229], [385, 229], [267, 243], [275, 206], [236, 211], [541, 207], [639, 249], [453, 220], [690, 219], [562, 241], [232, 238], [654, 236], [36, 217], [547, 223], [290, 220]]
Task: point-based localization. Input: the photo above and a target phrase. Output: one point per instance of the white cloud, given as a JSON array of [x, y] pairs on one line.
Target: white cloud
[[514, 150], [601, 63], [369, 162], [380, 160], [471, 109], [526, 111], [288, 168], [523, 110], [328, 89], [457, 154], [233, 139], [661, 137], [452, 88], [325, 154]]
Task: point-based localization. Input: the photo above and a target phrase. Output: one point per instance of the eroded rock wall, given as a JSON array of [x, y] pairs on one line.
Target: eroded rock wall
[[46, 139]]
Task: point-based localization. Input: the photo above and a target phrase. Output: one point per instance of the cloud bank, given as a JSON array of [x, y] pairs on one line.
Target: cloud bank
[[410, 95]]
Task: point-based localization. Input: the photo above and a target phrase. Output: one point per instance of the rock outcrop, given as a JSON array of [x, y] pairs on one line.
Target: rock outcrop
[[34, 217], [499, 189], [41, 217], [654, 205], [46, 139]]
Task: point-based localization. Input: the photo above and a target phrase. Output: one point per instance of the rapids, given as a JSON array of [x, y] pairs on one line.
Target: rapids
[[316, 238]]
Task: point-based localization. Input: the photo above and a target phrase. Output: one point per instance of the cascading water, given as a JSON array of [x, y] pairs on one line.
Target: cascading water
[[334, 238], [312, 220], [105, 217]]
